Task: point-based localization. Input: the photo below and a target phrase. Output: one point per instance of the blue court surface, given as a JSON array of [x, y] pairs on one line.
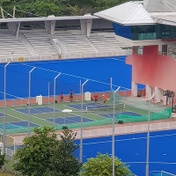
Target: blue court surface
[[131, 149], [37, 110], [68, 120], [125, 113], [72, 71], [23, 124], [89, 106], [15, 125]]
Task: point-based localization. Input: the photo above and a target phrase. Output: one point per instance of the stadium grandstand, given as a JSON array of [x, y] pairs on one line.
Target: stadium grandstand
[[48, 38]]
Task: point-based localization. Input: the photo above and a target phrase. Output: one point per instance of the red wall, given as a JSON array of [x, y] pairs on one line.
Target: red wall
[[153, 69]]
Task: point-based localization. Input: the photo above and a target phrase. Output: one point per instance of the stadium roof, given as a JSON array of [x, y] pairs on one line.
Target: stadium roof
[[160, 5], [165, 18], [145, 12], [130, 13], [49, 18]]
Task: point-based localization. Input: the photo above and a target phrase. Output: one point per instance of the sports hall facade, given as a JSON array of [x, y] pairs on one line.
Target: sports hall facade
[[148, 26]]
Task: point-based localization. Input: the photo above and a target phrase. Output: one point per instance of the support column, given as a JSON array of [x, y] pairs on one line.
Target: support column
[[18, 29], [13, 26], [164, 100], [83, 26], [86, 26], [50, 26], [148, 92], [89, 27], [134, 89], [157, 95], [134, 50]]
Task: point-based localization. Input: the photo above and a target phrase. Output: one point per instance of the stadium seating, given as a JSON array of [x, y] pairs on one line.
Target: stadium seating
[[105, 41], [40, 42], [11, 46], [98, 44], [40, 45]]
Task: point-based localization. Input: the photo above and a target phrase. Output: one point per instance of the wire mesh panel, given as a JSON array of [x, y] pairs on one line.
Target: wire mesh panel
[[10, 145], [161, 173], [137, 109]]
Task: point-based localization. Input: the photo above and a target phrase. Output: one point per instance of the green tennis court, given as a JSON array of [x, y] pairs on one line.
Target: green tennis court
[[20, 118]]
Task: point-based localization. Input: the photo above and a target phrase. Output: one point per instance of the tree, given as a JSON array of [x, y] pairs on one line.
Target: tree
[[3, 1], [102, 166], [64, 161], [26, 8], [43, 154], [33, 157]]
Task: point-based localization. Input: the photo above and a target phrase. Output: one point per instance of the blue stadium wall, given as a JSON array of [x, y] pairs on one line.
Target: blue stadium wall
[[73, 73]]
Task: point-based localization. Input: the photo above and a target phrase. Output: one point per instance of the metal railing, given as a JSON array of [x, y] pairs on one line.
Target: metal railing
[[66, 56]]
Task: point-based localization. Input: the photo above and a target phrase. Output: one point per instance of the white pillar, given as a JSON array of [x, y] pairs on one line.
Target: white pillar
[[157, 95], [50, 26], [86, 26], [164, 100], [13, 26], [148, 92], [18, 29], [89, 27], [134, 89], [83, 26]]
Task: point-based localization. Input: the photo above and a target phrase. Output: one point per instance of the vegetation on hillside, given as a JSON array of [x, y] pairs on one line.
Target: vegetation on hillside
[[32, 8]]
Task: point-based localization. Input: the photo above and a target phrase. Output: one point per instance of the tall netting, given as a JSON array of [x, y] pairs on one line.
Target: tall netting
[[161, 173], [138, 109], [10, 145], [10, 149]]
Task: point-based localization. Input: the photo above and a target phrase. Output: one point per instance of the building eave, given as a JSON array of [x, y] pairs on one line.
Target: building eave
[[52, 18]]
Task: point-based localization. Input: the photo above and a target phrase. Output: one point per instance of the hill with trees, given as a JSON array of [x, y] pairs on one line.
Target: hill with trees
[[34, 8]]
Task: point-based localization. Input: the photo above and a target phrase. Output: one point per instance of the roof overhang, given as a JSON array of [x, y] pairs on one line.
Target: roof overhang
[[127, 14], [129, 42], [165, 18], [49, 18]]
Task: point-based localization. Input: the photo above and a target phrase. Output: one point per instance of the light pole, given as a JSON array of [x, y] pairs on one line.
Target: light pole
[[55, 94], [113, 135], [4, 119], [81, 132], [148, 138], [29, 100]]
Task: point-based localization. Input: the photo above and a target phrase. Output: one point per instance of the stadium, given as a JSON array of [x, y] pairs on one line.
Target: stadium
[[129, 58]]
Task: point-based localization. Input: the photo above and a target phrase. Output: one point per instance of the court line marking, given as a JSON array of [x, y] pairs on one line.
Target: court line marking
[[73, 112], [20, 119], [35, 117], [65, 120], [35, 108]]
